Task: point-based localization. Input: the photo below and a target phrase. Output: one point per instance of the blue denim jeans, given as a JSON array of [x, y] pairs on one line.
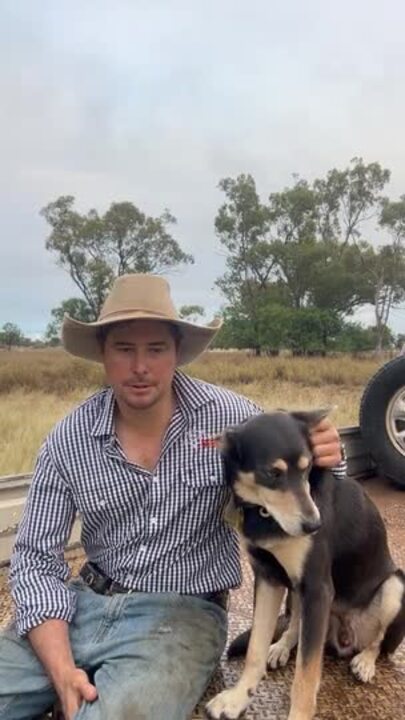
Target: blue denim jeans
[[150, 656]]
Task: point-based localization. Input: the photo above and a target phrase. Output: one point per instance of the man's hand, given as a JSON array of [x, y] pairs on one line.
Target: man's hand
[[326, 445], [50, 641], [74, 689]]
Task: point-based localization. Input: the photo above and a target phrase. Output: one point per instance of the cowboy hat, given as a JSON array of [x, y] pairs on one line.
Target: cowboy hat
[[136, 297]]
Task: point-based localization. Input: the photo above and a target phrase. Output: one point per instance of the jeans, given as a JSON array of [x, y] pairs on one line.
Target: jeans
[[150, 655]]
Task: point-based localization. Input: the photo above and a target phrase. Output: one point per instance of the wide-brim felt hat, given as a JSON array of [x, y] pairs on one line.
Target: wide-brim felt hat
[[137, 296]]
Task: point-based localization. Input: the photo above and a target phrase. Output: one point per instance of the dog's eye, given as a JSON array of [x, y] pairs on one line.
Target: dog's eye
[[273, 473], [263, 512]]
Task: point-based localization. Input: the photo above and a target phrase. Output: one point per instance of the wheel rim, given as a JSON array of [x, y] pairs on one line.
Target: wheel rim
[[395, 420]]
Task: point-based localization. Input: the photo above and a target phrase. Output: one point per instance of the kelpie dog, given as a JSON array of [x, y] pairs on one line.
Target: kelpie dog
[[323, 540]]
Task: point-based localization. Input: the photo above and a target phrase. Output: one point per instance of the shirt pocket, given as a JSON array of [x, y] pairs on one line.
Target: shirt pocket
[[113, 504], [203, 469], [203, 489]]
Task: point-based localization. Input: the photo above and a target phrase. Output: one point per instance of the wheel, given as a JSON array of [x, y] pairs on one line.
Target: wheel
[[382, 419]]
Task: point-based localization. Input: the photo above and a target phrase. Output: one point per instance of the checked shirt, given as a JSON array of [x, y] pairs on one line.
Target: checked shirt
[[160, 531]]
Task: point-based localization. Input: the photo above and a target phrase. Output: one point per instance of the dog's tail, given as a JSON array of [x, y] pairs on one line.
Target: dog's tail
[[239, 646], [396, 631]]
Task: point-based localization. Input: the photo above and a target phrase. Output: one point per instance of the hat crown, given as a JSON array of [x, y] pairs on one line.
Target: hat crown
[[138, 292]]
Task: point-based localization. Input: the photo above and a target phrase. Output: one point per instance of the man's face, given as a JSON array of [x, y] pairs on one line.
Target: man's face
[[140, 360]]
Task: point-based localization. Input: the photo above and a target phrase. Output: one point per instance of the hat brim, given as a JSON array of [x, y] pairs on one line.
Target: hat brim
[[81, 339]]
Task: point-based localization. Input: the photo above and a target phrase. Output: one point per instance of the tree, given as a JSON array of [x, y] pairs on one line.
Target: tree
[[95, 248], [191, 312], [295, 249], [11, 335], [385, 270], [304, 249], [242, 225], [312, 330], [76, 308], [354, 338], [269, 333], [312, 227], [384, 267], [338, 281], [348, 198]]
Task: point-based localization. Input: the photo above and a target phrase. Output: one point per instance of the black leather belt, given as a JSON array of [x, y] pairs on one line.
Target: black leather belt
[[100, 583]]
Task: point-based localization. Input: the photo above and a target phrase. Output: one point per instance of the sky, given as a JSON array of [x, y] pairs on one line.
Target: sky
[[154, 101]]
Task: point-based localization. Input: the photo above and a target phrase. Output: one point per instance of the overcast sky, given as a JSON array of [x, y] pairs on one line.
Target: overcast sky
[[154, 101]]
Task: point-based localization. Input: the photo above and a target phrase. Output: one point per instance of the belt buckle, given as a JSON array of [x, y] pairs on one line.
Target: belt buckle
[[111, 589], [89, 579]]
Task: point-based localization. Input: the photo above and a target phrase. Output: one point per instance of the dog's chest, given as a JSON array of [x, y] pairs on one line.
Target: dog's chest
[[290, 553]]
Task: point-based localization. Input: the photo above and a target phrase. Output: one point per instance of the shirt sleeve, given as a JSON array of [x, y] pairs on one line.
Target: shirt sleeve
[[38, 570], [339, 471]]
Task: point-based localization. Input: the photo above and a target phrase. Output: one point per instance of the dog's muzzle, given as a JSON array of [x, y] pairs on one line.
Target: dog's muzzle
[[309, 527]]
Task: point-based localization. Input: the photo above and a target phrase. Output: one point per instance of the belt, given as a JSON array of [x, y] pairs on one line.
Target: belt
[[103, 585]]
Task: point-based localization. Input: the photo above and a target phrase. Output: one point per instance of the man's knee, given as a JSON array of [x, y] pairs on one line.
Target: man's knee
[[25, 689]]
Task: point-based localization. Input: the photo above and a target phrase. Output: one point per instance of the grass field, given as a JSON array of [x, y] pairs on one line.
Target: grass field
[[38, 387]]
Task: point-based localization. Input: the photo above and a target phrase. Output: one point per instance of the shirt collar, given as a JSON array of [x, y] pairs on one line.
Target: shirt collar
[[104, 424], [191, 394]]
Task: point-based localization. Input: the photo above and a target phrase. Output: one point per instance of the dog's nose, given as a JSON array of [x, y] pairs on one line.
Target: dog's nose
[[311, 526]]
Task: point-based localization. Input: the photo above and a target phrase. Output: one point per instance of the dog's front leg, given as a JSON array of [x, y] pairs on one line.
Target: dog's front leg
[[315, 609], [230, 704], [279, 653]]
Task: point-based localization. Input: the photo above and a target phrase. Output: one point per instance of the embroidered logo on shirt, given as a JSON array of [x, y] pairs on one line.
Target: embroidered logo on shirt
[[199, 441], [209, 442]]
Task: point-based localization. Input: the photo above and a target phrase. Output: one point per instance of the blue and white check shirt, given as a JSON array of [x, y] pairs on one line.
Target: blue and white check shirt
[[160, 531]]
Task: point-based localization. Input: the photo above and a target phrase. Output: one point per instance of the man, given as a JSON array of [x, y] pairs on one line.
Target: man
[[140, 632]]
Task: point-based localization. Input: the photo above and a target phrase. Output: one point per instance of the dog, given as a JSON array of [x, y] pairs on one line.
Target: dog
[[319, 538]]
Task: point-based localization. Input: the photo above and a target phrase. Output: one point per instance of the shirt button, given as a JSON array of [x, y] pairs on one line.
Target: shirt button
[[213, 477], [155, 479], [142, 548], [153, 521]]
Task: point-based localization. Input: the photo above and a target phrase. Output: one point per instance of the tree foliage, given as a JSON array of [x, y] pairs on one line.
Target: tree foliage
[[298, 265], [11, 335], [192, 313], [305, 251], [76, 308], [95, 249]]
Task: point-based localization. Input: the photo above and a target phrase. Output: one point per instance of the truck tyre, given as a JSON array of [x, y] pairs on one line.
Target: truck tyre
[[382, 420]]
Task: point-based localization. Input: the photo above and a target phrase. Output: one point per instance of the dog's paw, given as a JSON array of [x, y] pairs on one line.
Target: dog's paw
[[363, 666], [279, 654], [227, 705]]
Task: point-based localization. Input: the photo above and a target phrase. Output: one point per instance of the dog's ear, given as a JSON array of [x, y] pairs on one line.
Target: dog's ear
[[310, 418], [228, 443]]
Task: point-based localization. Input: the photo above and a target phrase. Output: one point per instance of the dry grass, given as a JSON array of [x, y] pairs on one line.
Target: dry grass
[[50, 371], [231, 369], [25, 420], [37, 388]]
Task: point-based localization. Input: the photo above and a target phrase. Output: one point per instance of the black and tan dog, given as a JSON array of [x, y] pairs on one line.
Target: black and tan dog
[[323, 540]]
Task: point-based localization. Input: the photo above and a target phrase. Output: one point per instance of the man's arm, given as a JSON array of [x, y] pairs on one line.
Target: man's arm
[[38, 570], [325, 440], [44, 605], [327, 448], [50, 641]]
